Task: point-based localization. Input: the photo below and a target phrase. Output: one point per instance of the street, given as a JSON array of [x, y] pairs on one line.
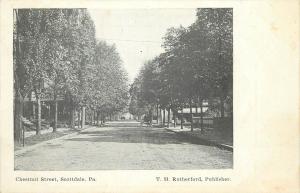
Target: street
[[123, 146]]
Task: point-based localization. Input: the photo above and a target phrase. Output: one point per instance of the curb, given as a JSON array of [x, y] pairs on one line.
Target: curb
[[29, 148], [209, 142]]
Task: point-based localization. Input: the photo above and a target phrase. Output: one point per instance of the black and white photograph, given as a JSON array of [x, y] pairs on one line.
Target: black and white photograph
[[148, 96], [122, 89]]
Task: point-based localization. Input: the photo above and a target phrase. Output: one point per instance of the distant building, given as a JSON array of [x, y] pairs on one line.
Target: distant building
[[126, 116]]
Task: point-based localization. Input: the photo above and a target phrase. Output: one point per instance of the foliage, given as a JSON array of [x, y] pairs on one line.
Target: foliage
[[110, 83], [196, 64], [56, 53]]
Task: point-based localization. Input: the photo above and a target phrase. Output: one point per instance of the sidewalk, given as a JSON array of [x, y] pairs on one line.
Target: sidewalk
[[212, 136], [31, 139], [44, 131]]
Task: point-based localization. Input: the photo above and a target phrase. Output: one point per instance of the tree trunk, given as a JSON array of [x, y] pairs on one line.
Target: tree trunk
[[22, 125], [169, 117], [196, 106], [39, 121], [222, 106], [62, 113], [49, 112], [151, 115], [201, 116], [33, 111], [55, 115], [220, 61], [191, 115], [78, 118], [102, 120], [72, 117], [92, 117], [157, 114], [164, 117], [97, 117], [174, 117], [83, 117], [18, 102], [18, 123], [181, 118]]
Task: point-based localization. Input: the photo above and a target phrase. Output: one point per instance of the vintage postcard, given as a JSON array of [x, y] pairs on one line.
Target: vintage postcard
[[150, 96]]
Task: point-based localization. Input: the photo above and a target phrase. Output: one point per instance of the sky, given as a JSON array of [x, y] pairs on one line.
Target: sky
[[137, 33]]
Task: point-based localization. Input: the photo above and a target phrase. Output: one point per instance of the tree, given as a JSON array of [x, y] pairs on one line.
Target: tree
[[110, 84], [58, 50], [215, 26], [56, 56], [196, 64], [33, 28], [177, 70], [136, 106], [79, 41], [21, 84]]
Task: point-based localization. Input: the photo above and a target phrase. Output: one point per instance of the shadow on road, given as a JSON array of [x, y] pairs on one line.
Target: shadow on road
[[120, 124], [134, 133]]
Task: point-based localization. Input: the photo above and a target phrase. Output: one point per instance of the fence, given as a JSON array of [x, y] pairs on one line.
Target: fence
[[225, 123]]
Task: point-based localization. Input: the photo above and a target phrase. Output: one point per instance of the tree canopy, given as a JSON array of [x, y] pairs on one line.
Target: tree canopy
[[56, 53], [196, 64]]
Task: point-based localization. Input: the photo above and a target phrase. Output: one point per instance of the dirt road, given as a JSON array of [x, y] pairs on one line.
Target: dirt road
[[123, 145]]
